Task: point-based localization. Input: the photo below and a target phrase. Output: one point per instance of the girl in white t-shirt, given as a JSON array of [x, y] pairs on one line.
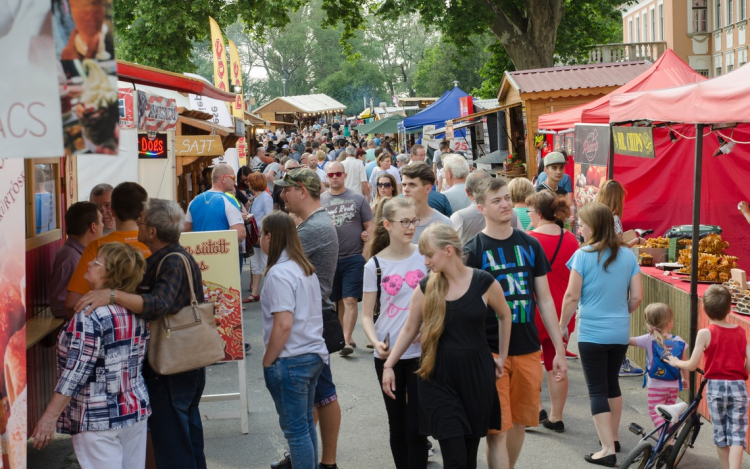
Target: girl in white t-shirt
[[401, 268]]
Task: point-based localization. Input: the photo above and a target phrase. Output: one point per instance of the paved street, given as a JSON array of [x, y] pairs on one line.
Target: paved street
[[363, 442]]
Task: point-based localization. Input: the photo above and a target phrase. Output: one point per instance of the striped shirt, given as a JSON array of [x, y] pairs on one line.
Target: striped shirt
[[99, 363]]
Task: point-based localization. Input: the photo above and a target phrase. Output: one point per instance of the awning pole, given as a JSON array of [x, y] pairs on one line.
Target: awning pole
[[696, 242], [611, 163]]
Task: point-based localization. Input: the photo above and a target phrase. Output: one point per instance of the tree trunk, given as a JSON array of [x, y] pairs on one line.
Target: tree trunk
[[530, 40]]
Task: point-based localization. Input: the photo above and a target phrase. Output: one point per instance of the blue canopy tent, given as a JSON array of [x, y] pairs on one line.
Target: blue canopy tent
[[443, 109]]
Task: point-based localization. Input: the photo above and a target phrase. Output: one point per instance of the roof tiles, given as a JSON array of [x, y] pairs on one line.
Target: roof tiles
[[577, 76]]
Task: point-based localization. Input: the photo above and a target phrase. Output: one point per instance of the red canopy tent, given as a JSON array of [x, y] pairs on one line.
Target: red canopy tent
[[720, 100], [666, 72]]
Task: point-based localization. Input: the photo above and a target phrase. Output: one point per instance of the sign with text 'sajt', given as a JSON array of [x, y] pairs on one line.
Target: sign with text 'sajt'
[[217, 254], [198, 145], [592, 144], [634, 141]]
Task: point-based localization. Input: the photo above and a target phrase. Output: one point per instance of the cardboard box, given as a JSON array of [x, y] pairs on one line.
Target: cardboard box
[[659, 254]]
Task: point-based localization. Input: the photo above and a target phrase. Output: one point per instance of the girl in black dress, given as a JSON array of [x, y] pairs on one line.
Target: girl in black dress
[[457, 394]]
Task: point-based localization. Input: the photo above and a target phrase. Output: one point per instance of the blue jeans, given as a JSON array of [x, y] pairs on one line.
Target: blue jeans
[[291, 382], [175, 422]]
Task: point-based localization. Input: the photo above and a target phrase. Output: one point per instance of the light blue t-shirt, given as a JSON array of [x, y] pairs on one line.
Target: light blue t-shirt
[[566, 183], [603, 309], [369, 167], [213, 211]]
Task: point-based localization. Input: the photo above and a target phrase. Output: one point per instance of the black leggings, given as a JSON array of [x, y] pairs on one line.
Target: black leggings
[[459, 452], [601, 369], [408, 446]]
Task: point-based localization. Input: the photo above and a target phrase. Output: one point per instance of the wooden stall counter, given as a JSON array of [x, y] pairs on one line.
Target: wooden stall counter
[[40, 326], [673, 290]]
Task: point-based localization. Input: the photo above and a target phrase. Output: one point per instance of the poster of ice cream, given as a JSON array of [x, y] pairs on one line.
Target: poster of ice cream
[[87, 75], [12, 315]]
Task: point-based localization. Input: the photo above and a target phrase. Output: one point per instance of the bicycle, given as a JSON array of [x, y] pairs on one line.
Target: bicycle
[[646, 455]]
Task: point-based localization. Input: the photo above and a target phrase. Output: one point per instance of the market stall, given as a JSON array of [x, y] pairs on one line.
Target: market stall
[[299, 111]]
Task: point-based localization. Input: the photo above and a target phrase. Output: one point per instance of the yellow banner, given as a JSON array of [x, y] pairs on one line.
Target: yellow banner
[[238, 107], [217, 254], [221, 75]]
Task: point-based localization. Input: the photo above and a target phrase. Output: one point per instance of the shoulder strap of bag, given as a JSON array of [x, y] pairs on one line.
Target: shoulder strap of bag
[[379, 273], [559, 243], [189, 270]]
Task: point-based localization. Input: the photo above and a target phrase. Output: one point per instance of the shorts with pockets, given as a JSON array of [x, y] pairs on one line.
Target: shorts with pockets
[[727, 404], [348, 281], [325, 390], [520, 390]]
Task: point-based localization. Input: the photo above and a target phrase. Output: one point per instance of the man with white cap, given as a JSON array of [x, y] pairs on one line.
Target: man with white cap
[[554, 168]]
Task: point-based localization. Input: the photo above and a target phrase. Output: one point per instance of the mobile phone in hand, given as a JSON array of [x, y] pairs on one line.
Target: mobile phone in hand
[[387, 340]]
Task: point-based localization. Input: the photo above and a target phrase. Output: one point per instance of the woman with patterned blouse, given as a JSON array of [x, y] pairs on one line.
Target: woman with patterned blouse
[[100, 397]]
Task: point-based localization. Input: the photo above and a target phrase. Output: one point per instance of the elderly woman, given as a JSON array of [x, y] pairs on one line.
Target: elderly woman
[[176, 427], [605, 286], [101, 398], [262, 206]]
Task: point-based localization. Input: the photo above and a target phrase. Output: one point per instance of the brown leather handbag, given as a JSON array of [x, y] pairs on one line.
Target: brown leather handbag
[[188, 339]]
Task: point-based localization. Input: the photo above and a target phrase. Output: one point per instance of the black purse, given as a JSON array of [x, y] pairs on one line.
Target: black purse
[[333, 333]]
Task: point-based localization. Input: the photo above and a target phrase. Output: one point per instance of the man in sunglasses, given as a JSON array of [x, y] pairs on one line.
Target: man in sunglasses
[[352, 218]]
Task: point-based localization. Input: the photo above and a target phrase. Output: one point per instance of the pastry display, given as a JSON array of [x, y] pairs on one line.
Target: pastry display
[[711, 244], [713, 264], [658, 243], [738, 294], [646, 259]]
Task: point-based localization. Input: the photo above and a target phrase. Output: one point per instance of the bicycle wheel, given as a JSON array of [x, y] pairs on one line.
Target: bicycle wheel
[[638, 457], [684, 439]]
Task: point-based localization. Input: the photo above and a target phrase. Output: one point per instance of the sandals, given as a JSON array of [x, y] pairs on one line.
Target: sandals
[[251, 298]]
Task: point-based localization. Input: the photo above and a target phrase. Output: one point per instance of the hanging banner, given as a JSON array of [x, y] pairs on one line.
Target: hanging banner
[[238, 107], [127, 119], [156, 113], [221, 77], [88, 82], [634, 141], [592, 144], [220, 112], [216, 252], [13, 395], [30, 122], [466, 106], [198, 145], [241, 151]]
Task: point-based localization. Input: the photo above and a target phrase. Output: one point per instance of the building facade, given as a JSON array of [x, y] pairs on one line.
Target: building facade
[[710, 35]]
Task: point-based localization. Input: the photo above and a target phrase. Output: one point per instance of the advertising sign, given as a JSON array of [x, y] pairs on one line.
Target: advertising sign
[[592, 144], [88, 76], [156, 113], [30, 123], [216, 253], [466, 105], [634, 141], [198, 145], [242, 151], [13, 393], [125, 103], [238, 107]]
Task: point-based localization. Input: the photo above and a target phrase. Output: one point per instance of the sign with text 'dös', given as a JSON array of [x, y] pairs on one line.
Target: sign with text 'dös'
[[30, 118], [198, 145], [634, 141], [592, 144], [217, 254]]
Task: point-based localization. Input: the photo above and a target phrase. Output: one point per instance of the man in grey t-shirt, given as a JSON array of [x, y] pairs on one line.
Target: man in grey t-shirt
[[301, 195]]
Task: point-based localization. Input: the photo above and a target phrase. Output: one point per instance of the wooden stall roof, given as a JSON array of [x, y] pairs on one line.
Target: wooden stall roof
[[255, 121], [228, 137], [149, 76], [306, 104], [195, 114], [576, 80]]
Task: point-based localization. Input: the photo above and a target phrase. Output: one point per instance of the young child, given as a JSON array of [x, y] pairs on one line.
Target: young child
[[727, 366], [662, 380]]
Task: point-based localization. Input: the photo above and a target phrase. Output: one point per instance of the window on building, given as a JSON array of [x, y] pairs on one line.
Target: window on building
[[703, 71], [653, 25], [637, 30], [717, 14], [661, 21], [645, 26], [717, 65], [43, 188], [743, 10], [630, 31], [741, 57], [729, 59], [730, 12], [700, 16]]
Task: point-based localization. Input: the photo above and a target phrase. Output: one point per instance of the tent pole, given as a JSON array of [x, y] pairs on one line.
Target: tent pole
[[611, 163], [696, 242]]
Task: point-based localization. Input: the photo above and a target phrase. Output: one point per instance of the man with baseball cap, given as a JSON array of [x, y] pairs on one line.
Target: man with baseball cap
[[554, 168], [301, 194]]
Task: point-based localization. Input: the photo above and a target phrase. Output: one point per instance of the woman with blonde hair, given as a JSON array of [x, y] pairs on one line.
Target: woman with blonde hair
[[457, 394], [293, 335], [385, 187], [612, 194], [520, 189], [401, 268], [101, 398]]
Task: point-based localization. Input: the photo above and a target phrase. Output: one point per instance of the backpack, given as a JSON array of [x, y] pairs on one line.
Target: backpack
[[660, 369]]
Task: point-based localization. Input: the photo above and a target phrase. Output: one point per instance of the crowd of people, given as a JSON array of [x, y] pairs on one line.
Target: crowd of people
[[468, 285]]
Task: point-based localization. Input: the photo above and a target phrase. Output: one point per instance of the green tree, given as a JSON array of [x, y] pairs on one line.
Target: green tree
[[443, 64], [353, 82]]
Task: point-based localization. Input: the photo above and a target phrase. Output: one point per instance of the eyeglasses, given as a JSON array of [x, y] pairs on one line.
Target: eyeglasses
[[406, 222], [234, 178], [98, 263], [384, 184], [531, 211], [141, 223], [337, 174]]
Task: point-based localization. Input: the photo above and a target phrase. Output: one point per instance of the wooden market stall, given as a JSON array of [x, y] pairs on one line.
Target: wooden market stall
[[299, 111], [527, 94]]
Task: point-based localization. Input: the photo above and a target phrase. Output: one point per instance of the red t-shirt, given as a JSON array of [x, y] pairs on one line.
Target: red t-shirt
[[559, 275], [728, 360]]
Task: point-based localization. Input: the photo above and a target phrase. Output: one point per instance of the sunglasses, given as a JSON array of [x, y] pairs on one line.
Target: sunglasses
[[228, 176], [337, 174], [384, 184]]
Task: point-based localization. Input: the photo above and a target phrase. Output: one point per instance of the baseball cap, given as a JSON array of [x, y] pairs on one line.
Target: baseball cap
[[555, 157], [303, 177]]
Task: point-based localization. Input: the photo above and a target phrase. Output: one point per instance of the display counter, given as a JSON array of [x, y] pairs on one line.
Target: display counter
[[672, 290]]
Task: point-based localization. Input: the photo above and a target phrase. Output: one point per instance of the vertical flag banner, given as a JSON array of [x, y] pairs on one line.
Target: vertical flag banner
[[221, 70], [30, 123], [238, 107], [13, 314]]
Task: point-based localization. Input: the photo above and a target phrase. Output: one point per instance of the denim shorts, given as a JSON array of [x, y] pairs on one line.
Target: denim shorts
[[325, 390], [348, 281]]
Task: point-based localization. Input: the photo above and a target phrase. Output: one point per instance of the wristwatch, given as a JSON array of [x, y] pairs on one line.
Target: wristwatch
[[111, 296]]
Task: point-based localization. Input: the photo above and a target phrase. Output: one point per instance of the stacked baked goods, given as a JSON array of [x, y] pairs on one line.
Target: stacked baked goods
[[713, 264], [738, 294], [657, 243]]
